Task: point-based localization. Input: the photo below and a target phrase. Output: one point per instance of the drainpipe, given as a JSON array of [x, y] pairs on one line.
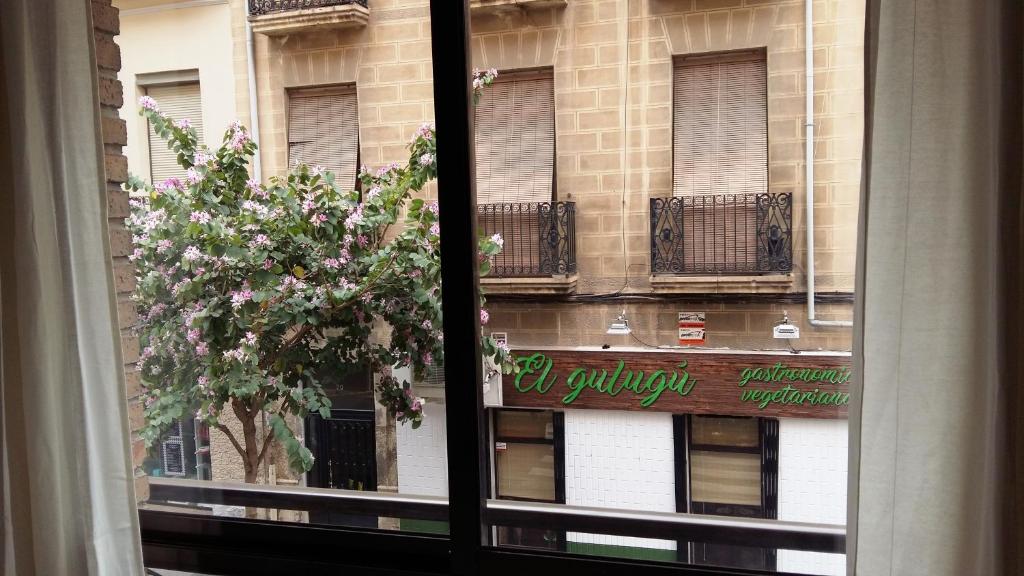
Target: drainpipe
[[254, 113], [809, 166]]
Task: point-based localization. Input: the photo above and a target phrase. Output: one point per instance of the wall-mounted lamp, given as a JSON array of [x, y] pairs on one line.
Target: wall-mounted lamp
[[620, 326]]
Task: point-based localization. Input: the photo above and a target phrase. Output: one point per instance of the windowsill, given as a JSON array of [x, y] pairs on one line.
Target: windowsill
[[565, 284], [325, 18], [496, 5], [723, 284]]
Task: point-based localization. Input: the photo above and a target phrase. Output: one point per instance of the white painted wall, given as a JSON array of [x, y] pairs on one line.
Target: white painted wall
[[423, 454], [168, 39], [812, 486], [620, 460]]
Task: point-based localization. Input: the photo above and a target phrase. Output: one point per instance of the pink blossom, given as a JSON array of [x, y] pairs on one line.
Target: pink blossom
[[192, 254], [435, 229], [163, 246], [240, 297], [484, 317], [199, 217], [261, 240], [183, 124], [203, 381], [308, 205], [427, 325], [192, 175], [202, 158], [362, 240], [355, 218], [135, 255], [497, 239], [193, 335], [425, 131], [149, 104], [428, 358], [268, 264], [427, 159], [432, 207], [332, 263], [373, 193], [202, 349], [250, 339], [319, 219]]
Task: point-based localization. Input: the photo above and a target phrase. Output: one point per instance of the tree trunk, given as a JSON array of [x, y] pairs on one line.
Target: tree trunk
[[250, 441]]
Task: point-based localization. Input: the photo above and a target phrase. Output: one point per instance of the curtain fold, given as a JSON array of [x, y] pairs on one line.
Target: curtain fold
[[68, 500], [930, 453]]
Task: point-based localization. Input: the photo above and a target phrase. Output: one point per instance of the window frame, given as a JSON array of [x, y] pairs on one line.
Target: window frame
[[208, 544]]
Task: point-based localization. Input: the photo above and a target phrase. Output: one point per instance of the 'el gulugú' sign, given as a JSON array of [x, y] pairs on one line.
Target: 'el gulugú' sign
[[808, 385]]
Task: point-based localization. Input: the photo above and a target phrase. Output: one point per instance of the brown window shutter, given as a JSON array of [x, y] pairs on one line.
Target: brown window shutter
[[720, 158], [720, 127], [515, 140], [323, 130], [180, 102]]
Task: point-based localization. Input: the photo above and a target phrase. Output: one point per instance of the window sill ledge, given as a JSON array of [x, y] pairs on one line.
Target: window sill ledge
[[722, 284], [326, 18], [543, 285], [498, 5]]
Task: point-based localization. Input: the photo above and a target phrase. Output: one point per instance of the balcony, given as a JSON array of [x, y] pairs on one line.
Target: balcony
[[282, 17], [745, 238], [505, 5], [539, 254]]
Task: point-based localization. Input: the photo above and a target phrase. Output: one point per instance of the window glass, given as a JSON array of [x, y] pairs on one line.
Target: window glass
[[526, 471], [739, 432]]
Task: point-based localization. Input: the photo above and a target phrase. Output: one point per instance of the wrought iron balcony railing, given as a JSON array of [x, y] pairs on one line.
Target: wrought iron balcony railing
[[722, 234], [257, 7], [540, 237]]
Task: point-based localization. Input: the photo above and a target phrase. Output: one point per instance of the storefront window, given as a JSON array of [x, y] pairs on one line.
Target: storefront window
[[527, 456]]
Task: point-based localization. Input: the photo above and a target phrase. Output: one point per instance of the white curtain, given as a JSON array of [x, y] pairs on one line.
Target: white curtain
[[68, 503], [931, 428]]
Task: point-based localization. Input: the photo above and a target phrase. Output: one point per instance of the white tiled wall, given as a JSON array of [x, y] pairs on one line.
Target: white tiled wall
[[812, 486], [619, 460], [423, 455]]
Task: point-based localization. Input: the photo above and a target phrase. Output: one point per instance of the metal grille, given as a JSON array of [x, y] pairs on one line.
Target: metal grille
[[172, 452], [722, 234], [540, 237], [257, 7]]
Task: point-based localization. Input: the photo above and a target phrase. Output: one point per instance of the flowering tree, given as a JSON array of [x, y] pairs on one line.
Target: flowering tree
[[250, 294]]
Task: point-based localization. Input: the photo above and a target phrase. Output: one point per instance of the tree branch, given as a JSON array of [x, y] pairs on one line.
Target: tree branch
[[266, 444]]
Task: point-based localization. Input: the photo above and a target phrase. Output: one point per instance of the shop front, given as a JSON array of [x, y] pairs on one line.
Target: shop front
[[750, 434]]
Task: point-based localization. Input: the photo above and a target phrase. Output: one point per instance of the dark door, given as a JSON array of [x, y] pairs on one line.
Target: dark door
[[344, 448]]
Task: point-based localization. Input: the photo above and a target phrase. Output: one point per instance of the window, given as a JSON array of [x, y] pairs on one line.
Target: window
[[720, 125], [529, 455], [515, 139], [515, 143], [733, 471], [720, 166], [183, 452], [323, 130], [180, 101]]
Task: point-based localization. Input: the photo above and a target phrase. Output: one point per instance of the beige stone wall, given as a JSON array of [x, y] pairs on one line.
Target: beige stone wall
[[739, 326]]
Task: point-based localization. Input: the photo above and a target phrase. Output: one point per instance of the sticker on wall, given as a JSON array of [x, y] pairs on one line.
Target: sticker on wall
[[691, 329], [500, 446]]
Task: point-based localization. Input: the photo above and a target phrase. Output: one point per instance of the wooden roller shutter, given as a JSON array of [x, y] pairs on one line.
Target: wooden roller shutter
[[180, 102], [515, 140], [720, 126], [323, 130]]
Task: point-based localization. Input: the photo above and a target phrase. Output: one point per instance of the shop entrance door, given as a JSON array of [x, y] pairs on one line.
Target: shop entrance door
[[345, 452]]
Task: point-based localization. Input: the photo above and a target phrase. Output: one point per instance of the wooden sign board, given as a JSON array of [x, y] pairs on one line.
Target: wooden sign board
[[729, 384]]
